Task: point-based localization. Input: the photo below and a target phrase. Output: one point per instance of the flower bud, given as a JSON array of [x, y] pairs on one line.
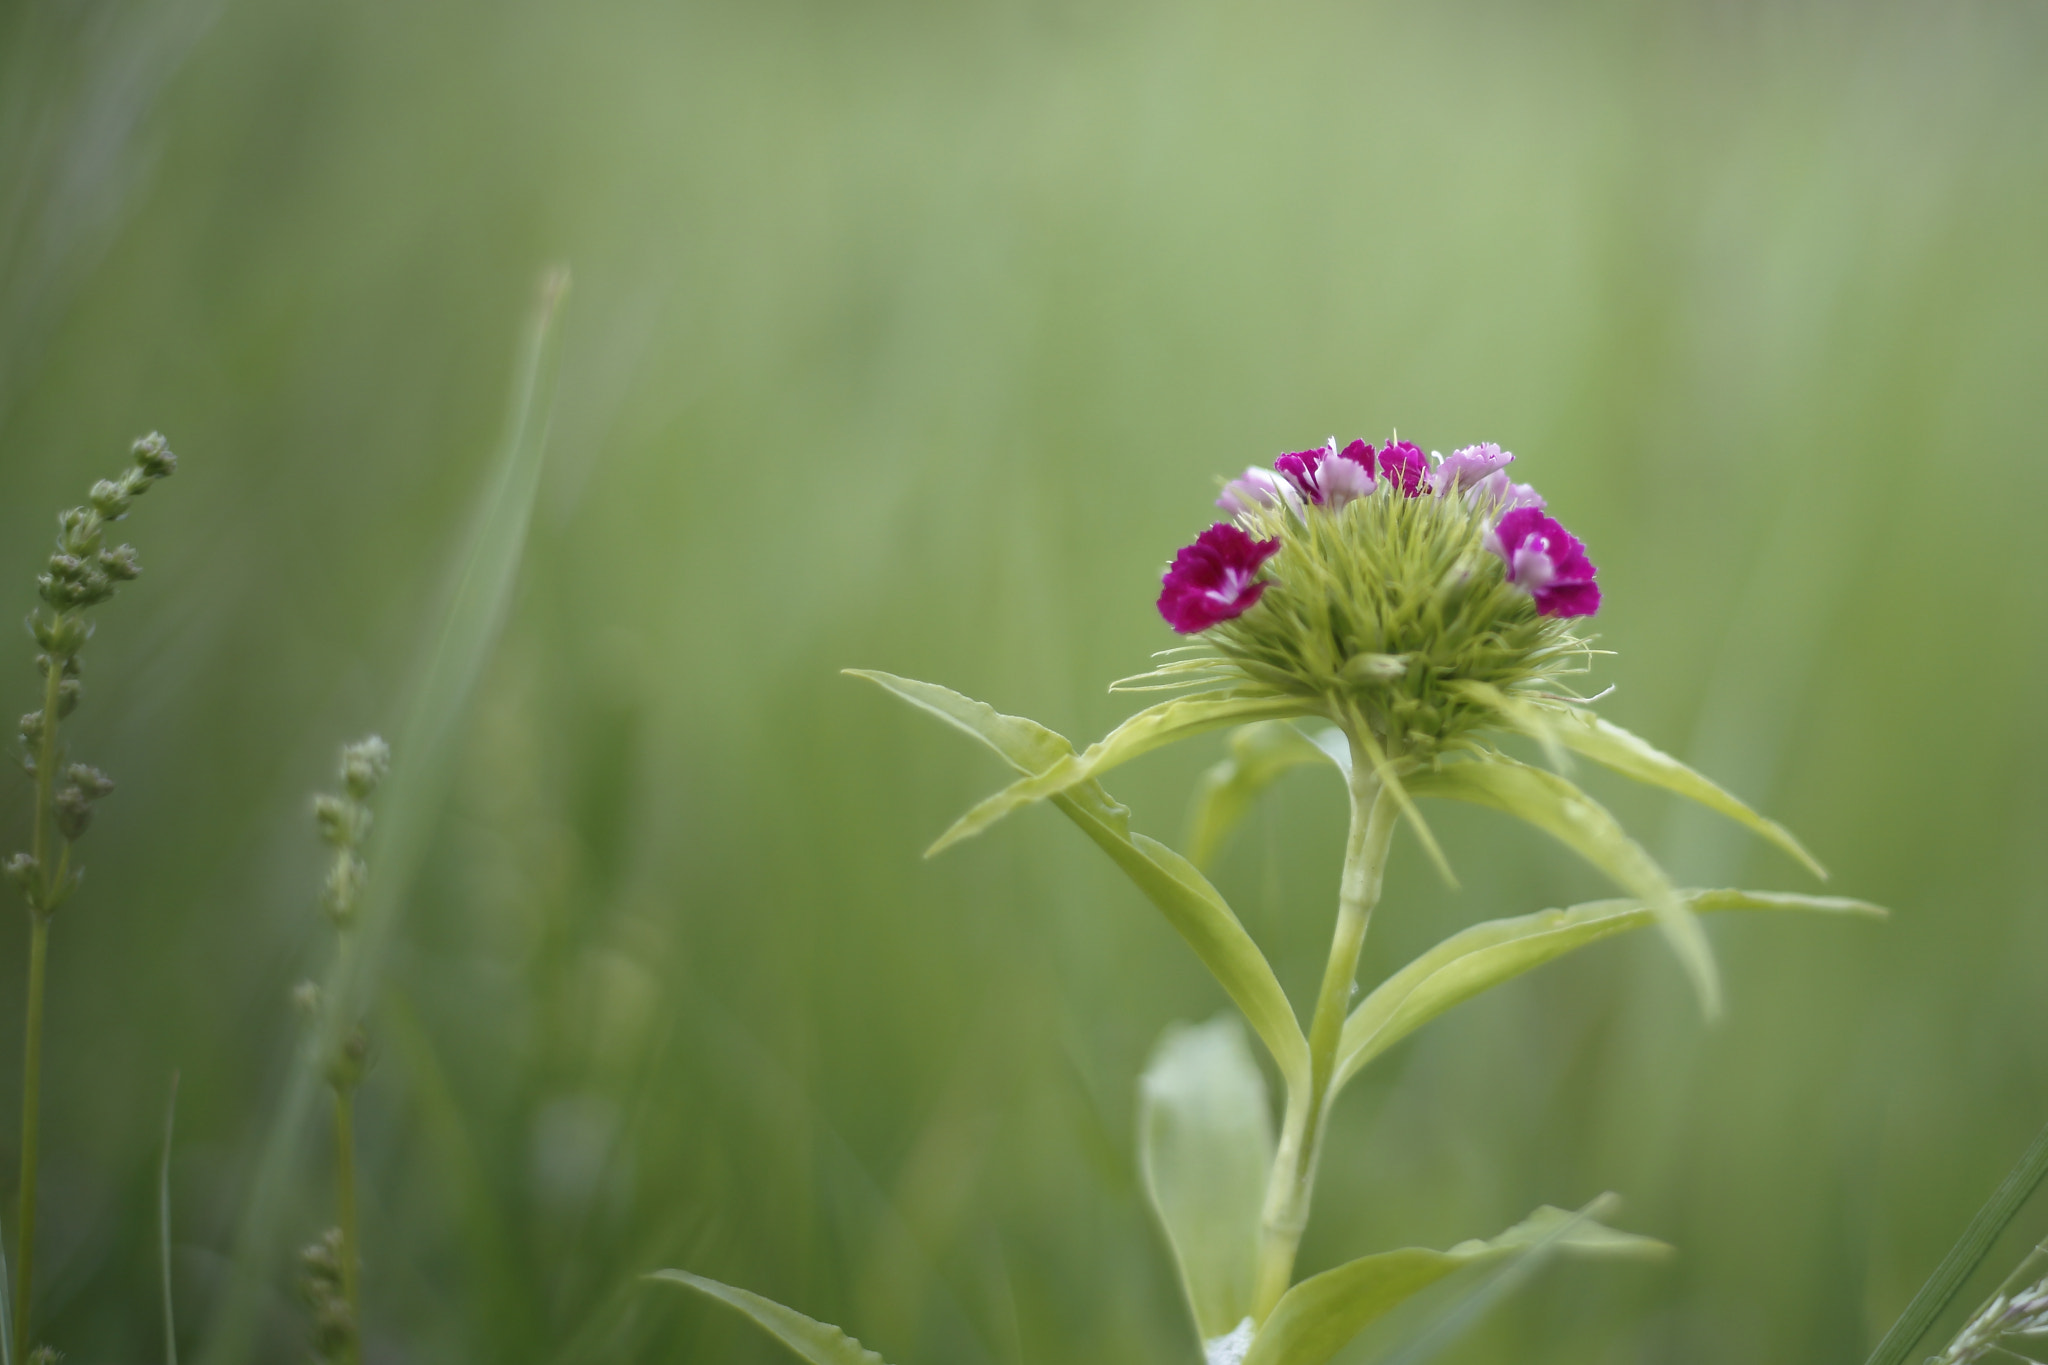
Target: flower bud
[[154, 458], [61, 633], [32, 730], [342, 822], [90, 780], [110, 499], [74, 813], [345, 880], [78, 531], [306, 999], [21, 869], [364, 765], [345, 1072], [120, 563], [69, 690]]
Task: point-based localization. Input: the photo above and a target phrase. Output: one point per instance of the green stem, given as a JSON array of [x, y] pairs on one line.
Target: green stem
[[345, 1197], [31, 1105], [46, 891], [1374, 812]]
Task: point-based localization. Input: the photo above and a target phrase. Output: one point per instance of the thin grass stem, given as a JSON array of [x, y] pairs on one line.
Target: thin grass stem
[[345, 1199], [1965, 1256]]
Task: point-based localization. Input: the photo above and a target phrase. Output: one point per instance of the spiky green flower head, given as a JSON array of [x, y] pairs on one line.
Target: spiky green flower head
[[1397, 595]]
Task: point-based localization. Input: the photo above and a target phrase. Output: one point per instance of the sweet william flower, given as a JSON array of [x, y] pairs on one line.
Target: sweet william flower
[[1403, 464], [1215, 579], [1467, 467], [1546, 560]]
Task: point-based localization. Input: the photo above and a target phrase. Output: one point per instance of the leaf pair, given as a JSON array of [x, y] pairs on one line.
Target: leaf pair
[[1191, 905], [1206, 1140]]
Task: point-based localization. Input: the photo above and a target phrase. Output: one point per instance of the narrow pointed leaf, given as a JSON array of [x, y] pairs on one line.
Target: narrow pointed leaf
[[1316, 1318], [1151, 728], [1557, 807], [1560, 728], [1481, 957], [1260, 754], [1613, 747], [1966, 1255], [1449, 1321], [819, 1343], [1205, 1147], [1191, 905]]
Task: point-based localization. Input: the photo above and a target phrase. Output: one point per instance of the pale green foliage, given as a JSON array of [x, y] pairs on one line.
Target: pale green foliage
[[1558, 808], [818, 1342], [1192, 906], [1482, 957], [1181, 718], [1205, 1145], [1205, 1129], [1561, 727], [1320, 1315]]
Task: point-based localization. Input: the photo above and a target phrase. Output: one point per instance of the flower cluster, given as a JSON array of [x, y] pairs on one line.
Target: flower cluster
[[1381, 583]]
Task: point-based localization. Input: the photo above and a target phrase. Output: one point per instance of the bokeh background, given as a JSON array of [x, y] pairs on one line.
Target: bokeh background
[[914, 336]]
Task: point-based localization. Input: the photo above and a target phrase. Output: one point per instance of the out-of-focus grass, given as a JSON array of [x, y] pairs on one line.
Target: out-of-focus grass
[[912, 337]]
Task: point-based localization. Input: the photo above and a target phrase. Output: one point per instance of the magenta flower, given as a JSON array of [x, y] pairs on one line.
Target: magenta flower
[[1301, 469], [1404, 465], [1215, 579], [1547, 560]]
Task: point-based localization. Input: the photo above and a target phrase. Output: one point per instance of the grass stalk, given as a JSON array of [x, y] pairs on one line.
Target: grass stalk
[[1965, 1256], [345, 1213]]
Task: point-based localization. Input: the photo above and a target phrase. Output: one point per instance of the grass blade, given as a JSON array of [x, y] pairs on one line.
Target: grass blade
[[432, 727], [819, 1343], [163, 1225], [1965, 1256]]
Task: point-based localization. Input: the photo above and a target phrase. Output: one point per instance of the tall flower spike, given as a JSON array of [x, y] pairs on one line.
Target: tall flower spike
[[1548, 561], [1215, 579]]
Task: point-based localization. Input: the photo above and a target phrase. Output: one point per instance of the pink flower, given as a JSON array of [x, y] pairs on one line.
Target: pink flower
[[1467, 467], [1499, 495], [1404, 465], [1255, 487], [1347, 475], [1547, 560], [1214, 579]]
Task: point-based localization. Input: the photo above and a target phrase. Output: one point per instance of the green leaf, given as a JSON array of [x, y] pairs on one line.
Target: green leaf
[[1557, 807], [1193, 907], [818, 1342], [1481, 957], [1205, 1146], [1613, 747], [1150, 729], [1316, 1318], [1514, 1270], [1259, 754]]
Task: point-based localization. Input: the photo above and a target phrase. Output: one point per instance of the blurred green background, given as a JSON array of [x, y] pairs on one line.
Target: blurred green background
[[914, 336]]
